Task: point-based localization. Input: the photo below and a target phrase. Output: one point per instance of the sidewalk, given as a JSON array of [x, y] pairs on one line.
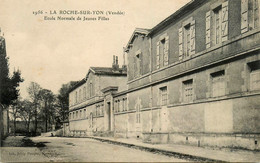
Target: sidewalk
[[195, 153], [19, 149]]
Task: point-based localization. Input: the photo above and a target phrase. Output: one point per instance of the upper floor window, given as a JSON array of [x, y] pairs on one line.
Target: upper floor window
[[162, 53], [163, 96], [249, 15], [80, 95], [76, 97], [124, 104], [187, 39], [85, 113], [84, 93], [217, 24], [187, 90], [80, 114], [137, 63], [91, 93], [254, 75], [218, 83]]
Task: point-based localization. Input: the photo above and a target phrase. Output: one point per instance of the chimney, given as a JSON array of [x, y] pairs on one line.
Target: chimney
[[115, 65], [124, 65]]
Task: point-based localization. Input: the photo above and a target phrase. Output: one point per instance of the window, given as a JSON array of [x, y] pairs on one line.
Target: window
[[124, 104], [84, 92], [77, 114], [217, 24], [73, 115], [162, 53], [254, 75], [187, 39], [85, 114], [118, 106], [115, 106], [249, 15], [138, 65], [163, 96], [76, 97], [80, 95], [218, 83], [188, 90], [138, 114], [102, 109], [80, 114], [91, 90], [217, 15]]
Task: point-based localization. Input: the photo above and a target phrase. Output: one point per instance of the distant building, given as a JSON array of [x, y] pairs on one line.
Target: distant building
[[86, 99], [192, 79]]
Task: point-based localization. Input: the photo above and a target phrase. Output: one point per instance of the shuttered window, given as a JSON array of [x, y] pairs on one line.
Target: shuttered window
[[162, 52], [224, 28], [244, 16], [163, 96], [188, 91], [217, 25], [138, 64], [166, 51], [158, 55], [249, 15], [192, 39], [187, 39], [218, 83], [254, 75], [208, 19], [180, 44]]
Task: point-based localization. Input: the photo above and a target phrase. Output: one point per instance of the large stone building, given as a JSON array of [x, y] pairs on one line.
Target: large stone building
[[192, 79]]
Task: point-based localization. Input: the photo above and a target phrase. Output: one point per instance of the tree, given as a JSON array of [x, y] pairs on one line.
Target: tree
[[9, 91], [63, 99], [34, 94], [15, 112], [47, 100], [26, 113]]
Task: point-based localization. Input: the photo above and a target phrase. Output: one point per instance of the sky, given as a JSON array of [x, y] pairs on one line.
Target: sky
[[54, 52]]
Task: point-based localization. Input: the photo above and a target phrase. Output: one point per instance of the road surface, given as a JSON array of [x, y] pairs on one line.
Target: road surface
[[89, 150]]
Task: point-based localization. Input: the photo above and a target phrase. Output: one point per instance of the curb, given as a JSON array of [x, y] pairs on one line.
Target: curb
[[161, 151]]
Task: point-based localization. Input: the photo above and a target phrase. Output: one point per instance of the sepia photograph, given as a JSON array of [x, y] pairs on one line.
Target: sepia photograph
[[129, 81]]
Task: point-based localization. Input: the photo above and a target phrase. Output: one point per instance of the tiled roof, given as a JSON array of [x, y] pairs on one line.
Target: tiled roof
[[108, 71]]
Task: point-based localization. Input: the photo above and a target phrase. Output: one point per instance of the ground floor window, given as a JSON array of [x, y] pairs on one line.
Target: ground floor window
[[254, 75]]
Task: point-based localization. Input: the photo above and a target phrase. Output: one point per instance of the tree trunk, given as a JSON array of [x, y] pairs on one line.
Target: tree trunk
[[14, 126], [46, 117], [35, 129]]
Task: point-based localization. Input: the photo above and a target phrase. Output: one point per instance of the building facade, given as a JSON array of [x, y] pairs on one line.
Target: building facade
[[86, 100], [193, 79]]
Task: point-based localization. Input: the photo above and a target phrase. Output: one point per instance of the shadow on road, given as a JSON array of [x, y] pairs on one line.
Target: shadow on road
[[20, 141]]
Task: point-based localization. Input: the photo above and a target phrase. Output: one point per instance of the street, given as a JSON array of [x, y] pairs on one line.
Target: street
[[59, 149]]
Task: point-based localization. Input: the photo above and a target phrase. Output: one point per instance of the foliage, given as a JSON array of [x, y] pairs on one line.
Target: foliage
[[9, 91], [63, 99]]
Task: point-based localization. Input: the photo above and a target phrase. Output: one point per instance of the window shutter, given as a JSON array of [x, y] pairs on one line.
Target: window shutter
[[158, 55], [224, 28], [180, 43], [208, 19], [244, 16], [256, 14], [166, 51], [192, 37]]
